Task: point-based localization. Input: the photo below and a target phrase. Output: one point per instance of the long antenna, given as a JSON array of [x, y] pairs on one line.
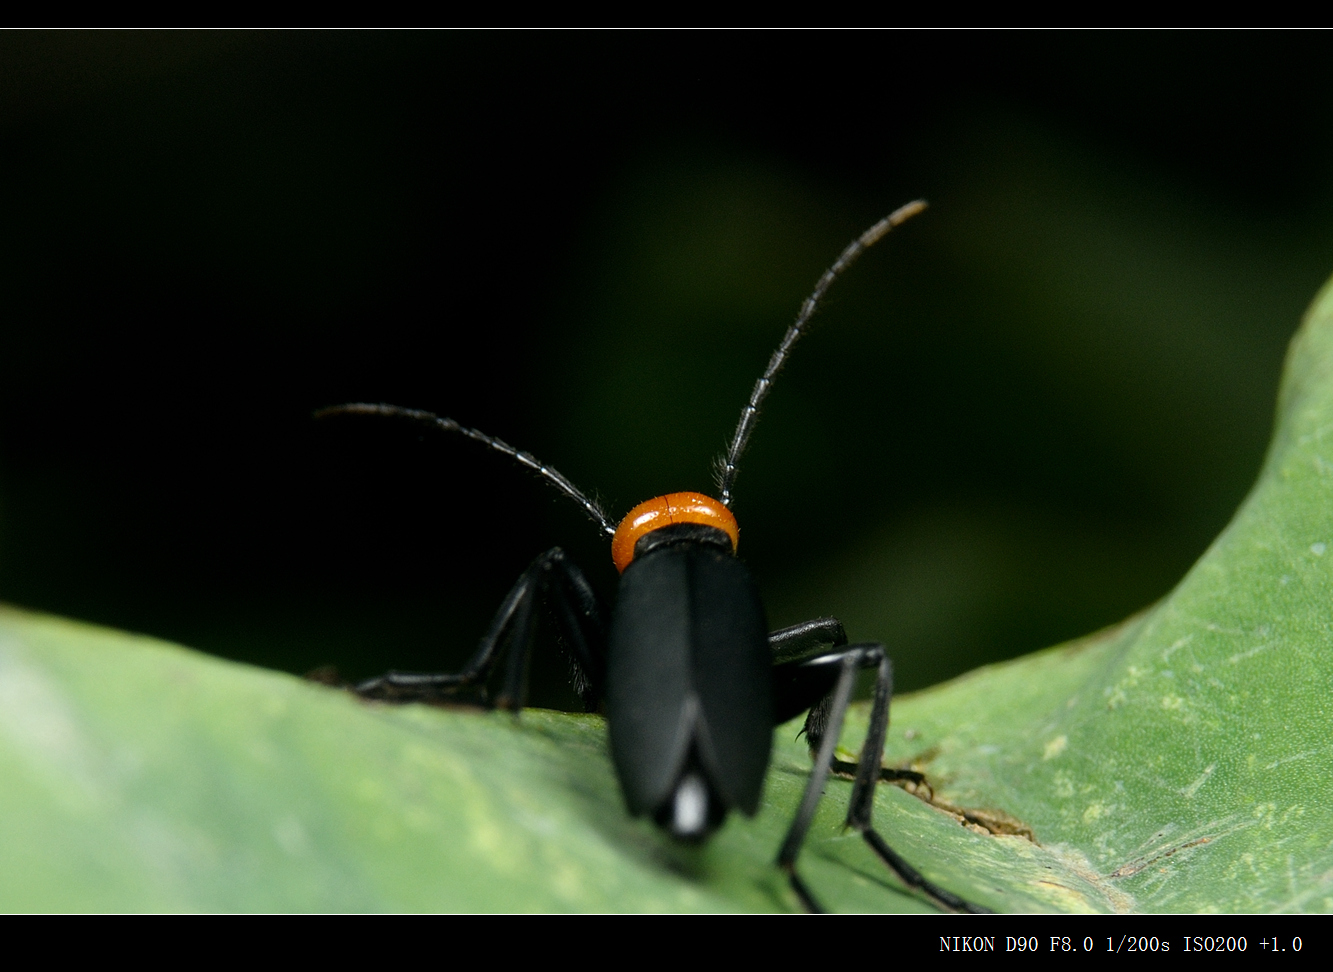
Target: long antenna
[[440, 424], [726, 465]]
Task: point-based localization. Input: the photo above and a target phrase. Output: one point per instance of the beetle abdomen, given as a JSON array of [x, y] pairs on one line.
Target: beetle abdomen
[[689, 668]]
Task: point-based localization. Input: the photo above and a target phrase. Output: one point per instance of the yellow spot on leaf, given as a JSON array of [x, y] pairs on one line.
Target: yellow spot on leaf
[[1055, 747]]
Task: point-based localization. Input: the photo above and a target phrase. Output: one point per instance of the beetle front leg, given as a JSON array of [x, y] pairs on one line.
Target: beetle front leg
[[435, 686], [580, 619], [513, 629]]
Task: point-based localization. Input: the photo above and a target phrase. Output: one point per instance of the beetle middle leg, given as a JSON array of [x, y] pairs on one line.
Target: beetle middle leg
[[552, 577], [799, 689], [802, 675]]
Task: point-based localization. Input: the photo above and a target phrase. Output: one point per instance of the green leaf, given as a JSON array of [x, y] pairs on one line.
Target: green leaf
[[1181, 761], [143, 776], [1176, 763]]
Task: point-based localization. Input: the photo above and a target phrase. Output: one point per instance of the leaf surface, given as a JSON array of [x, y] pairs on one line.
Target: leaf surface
[[1179, 762]]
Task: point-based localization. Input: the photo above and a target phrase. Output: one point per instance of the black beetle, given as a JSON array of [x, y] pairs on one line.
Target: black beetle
[[691, 679]]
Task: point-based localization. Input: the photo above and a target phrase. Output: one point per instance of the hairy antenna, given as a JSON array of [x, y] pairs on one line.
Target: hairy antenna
[[440, 424], [726, 465]]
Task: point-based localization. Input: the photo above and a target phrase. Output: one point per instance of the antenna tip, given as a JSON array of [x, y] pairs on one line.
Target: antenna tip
[[354, 408], [896, 218], [904, 213]]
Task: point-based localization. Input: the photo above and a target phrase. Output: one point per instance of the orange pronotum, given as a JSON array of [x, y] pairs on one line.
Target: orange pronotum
[[664, 511]]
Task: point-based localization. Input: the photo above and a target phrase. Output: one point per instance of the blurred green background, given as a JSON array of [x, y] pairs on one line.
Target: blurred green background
[[1022, 417]]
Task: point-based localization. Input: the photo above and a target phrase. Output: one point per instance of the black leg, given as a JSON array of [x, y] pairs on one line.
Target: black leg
[[888, 774], [827, 718], [803, 641], [797, 686], [797, 689], [431, 686], [580, 621], [513, 629], [521, 636], [814, 787]]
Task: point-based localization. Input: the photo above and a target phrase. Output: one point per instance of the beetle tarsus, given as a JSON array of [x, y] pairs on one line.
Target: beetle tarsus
[[808, 900], [914, 879], [410, 687], [910, 780]]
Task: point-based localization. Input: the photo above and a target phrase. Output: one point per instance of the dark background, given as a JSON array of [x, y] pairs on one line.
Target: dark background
[[1022, 417]]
